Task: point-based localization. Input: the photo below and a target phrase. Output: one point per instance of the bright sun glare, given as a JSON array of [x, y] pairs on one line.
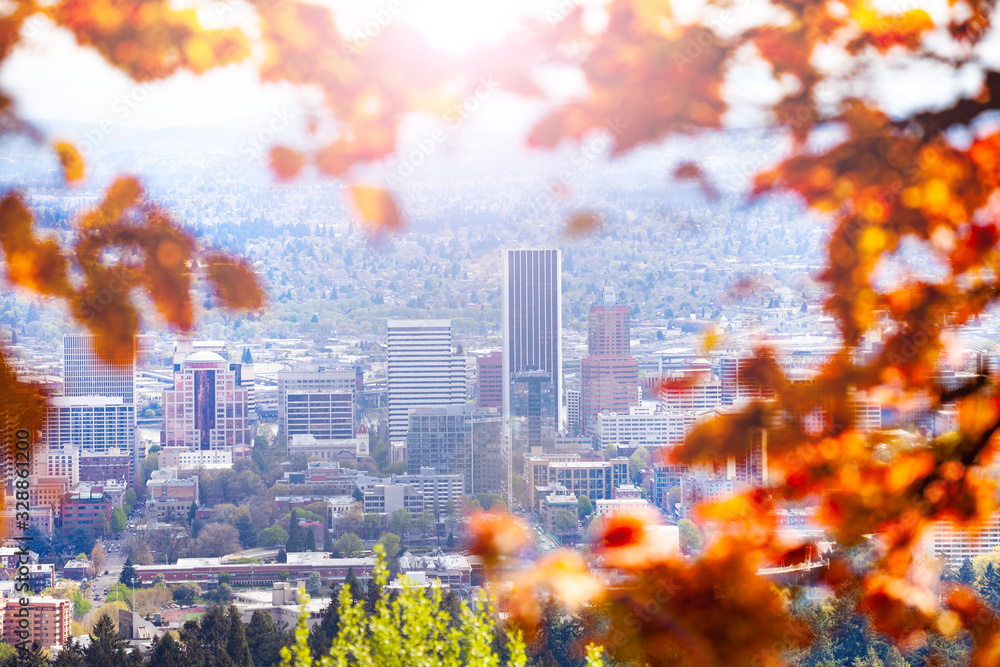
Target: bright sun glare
[[454, 26]]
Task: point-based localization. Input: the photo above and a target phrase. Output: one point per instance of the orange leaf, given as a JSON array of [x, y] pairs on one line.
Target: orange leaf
[[583, 222], [285, 162], [376, 207], [71, 161], [235, 282]]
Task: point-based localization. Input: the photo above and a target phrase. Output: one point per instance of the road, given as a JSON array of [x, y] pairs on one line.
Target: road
[[114, 560]]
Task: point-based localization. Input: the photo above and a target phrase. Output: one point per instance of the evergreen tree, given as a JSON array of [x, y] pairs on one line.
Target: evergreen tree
[[194, 648], [327, 540], [310, 540], [214, 635], [296, 534], [322, 634], [282, 556], [135, 658], [128, 574], [966, 573], [373, 593], [989, 586], [34, 656], [237, 647], [191, 512], [71, 655], [351, 581], [265, 640], [106, 648], [248, 534], [166, 652]]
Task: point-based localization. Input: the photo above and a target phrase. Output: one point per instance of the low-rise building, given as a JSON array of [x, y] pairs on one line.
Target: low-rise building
[[168, 498], [206, 571], [434, 487], [327, 449], [185, 458], [385, 499], [113, 464], [594, 479], [615, 506], [85, 508]]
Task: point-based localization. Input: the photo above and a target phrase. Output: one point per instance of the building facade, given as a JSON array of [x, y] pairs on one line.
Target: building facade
[[532, 325], [423, 371], [609, 374], [47, 620], [489, 370], [314, 378], [207, 408], [323, 414]]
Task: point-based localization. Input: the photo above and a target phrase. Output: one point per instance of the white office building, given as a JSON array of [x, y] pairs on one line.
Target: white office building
[[423, 371]]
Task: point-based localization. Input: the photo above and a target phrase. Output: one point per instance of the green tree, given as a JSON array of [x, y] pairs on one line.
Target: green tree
[[166, 652], [425, 522], [966, 573], [352, 521], [373, 526], [322, 634], [296, 534], [128, 573], [564, 522], [119, 521], [106, 648], [352, 584], [408, 620], [690, 536], [400, 522], [348, 545], [282, 556], [192, 511], [584, 507], [310, 539], [236, 645], [33, 656], [248, 534], [638, 462], [71, 655], [130, 500], [314, 584], [264, 639], [185, 593], [988, 586], [272, 537]]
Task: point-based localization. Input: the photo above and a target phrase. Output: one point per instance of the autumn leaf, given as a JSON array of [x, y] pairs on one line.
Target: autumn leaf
[[235, 282], [71, 161], [376, 207], [690, 171], [583, 222], [36, 265], [286, 163]]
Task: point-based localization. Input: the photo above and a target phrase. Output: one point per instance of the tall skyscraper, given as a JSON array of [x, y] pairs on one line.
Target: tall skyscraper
[[489, 368], [319, 379], [97, 393], [458, 440], [85, 373], [532, 331], [423, 372], [609, 374], [207, 408]]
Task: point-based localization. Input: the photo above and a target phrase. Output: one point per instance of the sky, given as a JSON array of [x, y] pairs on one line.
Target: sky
[[52, 78]]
